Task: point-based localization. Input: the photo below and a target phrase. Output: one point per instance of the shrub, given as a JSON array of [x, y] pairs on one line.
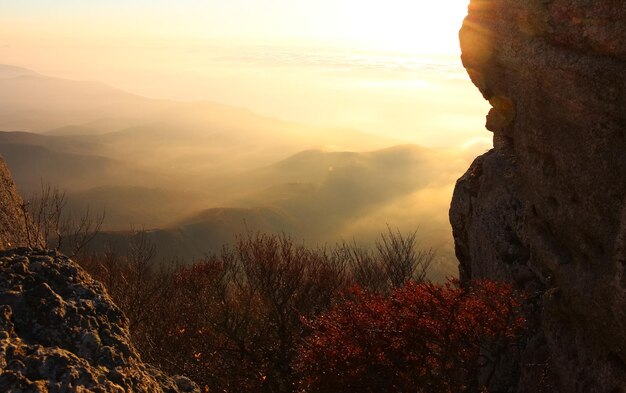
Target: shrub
[[421, 338], [270, 315]]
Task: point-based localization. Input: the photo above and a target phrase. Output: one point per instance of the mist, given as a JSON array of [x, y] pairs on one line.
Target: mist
[[309, 123], [422, 99], [197, 174]]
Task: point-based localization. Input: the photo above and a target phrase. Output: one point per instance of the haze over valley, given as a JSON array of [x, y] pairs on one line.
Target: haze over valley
[[199, 121], [196, 174]]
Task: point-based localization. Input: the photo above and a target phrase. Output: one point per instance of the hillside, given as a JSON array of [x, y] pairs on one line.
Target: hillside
[[133, 205], [31, 165], [316, 196], [200, 234]]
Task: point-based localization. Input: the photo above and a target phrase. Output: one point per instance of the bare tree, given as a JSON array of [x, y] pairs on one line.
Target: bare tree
[[49, 225], [395, 260], [142, 287], [366, 270], [401, 259]]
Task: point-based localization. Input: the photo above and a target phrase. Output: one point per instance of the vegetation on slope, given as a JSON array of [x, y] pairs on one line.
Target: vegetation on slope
[[270, 315]]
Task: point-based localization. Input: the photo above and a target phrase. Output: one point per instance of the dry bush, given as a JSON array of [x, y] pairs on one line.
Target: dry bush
[[270, 315], [234, 321], [139, 285], [240, 312]]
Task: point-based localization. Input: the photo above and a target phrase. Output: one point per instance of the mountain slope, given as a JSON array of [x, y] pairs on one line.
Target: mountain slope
[[34, 102], [32, 165]]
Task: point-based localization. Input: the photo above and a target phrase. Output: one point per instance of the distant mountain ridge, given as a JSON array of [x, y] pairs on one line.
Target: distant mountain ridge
[[197, 174], [10, 71], [34, 102]]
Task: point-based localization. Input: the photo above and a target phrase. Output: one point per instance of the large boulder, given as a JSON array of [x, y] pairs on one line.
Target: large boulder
[[61, 332], [546, 208]]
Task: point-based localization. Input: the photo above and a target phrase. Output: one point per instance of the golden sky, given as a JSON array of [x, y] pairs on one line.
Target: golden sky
[[417, 26], [384, 67]]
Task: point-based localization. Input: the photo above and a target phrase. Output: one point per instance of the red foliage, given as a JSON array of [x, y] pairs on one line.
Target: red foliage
[[422, 338], [268, 315]]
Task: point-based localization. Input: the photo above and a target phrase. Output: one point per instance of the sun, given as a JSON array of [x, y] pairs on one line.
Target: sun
[[413, 26]]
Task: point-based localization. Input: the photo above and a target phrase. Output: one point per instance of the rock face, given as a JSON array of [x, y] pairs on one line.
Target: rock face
[[12, 223], [546, 208], [60, 332]]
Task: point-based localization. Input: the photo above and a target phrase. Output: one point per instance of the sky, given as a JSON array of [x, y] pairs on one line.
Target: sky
[[384, 67], [417, 26]]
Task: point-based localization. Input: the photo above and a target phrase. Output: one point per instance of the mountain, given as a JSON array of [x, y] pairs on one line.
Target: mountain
[[300, 196], [73, 145], [196, 139], [32, 165], [132, 205], [320, 186], [196, 174], [62, 107], [191, 205], [157, 159], [9, 71], [200, 234]]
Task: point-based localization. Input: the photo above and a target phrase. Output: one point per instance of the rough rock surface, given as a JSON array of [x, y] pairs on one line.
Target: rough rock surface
[[12, 224], [61, 332], [546, 208]]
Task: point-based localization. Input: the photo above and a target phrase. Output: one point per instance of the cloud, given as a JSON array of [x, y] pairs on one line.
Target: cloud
[[293, 56]]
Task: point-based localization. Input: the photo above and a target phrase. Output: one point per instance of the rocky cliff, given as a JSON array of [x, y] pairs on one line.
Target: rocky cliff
[[546, 208], [12, 224]]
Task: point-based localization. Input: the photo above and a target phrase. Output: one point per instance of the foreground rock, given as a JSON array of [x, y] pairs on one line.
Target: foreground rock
[[61, 332], [546, 208]]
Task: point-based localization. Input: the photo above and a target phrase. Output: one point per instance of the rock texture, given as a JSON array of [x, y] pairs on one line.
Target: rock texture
[[546, 208], [12, 224], [60, 332]]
